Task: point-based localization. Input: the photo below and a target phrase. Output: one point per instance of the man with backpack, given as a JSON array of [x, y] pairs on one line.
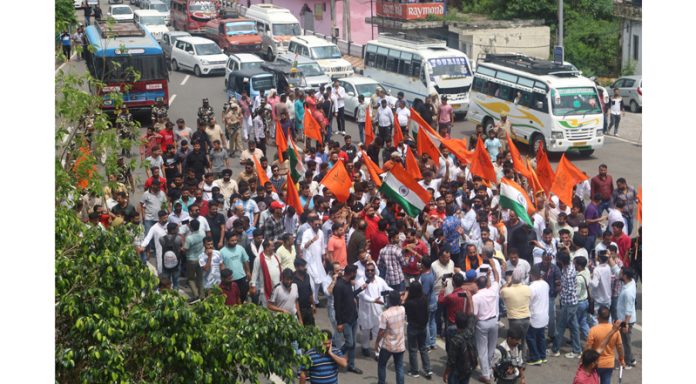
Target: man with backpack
[[462, 355], [171, 250], [508, 362]]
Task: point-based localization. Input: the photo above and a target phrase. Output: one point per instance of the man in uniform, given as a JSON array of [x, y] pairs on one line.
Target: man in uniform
[[205, 112]]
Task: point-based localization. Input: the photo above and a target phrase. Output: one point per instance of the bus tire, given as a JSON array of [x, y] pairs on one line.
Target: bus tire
[[586, 152], [175, 66], [536, 141], [487, 124], [197, 71]]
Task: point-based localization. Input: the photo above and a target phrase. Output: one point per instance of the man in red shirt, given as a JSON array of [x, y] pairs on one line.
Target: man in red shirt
[[622, 241], [167, 136], [156, 176], [415, 249], [378, 240], [372, 219], [454, 303], [603, 184]]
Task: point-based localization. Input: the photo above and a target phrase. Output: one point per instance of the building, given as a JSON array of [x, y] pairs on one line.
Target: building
[[630, 12]]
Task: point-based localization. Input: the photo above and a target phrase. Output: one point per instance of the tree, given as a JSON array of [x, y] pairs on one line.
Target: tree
[[65, 15], [111, 323]]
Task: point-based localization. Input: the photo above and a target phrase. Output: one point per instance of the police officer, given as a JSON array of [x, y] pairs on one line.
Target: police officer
[[205, 112], [159, 112], [124, 125]]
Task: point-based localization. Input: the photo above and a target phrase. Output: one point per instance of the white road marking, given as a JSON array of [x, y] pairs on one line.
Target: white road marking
[[624, 140], [70, 131], [185, 80], [171, 100]]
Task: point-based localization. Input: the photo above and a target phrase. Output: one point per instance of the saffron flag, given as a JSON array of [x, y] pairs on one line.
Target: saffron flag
[[338, 181], [457, 147], [402, 189], [398, 134], [297, 169], [426, 145], [482, 165], [372, 168], [567, 176], [263, 177], [369, 132], [639, 204], [412, 164], [534, 180], [312, 128], [281, 142], [513, 197], [543, 170], [292, 197], [518, 164]]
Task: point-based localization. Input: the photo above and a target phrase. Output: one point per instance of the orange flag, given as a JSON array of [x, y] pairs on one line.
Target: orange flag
[[518, 164], [372, 168], [482, 165], [639, 204], [398, 134], [425, 145], [338, 181], [457, 147], [369, 132], [533, 180], [263, 177], [544, 171], [281, 142], [312, 128], [292, 197], [567, 176], [412, 165]]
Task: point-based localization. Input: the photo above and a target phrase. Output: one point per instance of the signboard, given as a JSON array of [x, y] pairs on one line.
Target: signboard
[[558, 56], [409, 11]]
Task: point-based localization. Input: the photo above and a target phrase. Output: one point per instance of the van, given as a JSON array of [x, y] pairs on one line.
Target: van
[[326, 54], [311, 70], [275, 25]]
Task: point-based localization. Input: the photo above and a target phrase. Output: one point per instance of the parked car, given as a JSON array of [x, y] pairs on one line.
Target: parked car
[[135, 2], [233, 35], [115, 1], [241, 62], [631, 90], [120, 12], [198, 54], [168, 40], [326, 53], [355, 86], [160, 7], [311, 70], [152, 21]]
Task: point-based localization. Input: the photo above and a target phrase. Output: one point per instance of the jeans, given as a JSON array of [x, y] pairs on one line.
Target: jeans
[[337, 339], [612, 308], [350, 331], [384, 356], [536, 343], [583, 322], [450, 331], [361, 131], [568, 319], [398, 287], [416, 343], [148, 224], [173, 275], [194, 276], [341, 120], [439, 314], [243, 286], [552, 319], [454, 378], [385, 133], [432, 326], [486, 337], [604, 205], [614, 122], [626, 340], [67, 51], [605, 375], [523, 325]]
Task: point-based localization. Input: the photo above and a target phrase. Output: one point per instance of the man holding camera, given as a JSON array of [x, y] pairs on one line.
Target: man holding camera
[[455, 302]]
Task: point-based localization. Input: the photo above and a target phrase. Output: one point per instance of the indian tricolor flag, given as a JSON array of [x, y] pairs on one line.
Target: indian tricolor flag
[[399, 187], [297, 169], [513, 196]]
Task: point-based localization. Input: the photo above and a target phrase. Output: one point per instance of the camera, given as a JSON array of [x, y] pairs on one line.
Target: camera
[[508, 273], [447, 276]]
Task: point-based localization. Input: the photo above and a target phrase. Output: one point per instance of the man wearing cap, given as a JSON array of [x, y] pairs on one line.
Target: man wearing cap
[[502, 129], [154, 234], [273, 227]]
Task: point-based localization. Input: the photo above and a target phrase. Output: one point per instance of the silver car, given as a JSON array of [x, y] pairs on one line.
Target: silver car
[[168, 40], [631, 90], [355, 86]]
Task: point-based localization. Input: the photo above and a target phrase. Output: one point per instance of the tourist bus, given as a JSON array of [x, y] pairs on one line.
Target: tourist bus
[[118, 51], [419, 67], [549, 105]]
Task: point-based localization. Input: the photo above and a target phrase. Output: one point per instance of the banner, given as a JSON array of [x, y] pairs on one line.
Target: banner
[[409, 11]]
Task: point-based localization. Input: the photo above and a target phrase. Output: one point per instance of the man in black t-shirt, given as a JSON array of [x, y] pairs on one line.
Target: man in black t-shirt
[[216, 221], [304, 291], [124, 208]]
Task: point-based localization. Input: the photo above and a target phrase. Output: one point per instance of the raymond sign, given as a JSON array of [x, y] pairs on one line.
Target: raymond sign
[[409, 11]]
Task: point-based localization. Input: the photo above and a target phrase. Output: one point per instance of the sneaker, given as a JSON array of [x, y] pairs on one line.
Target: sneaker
[[538, 362], [544, 361], [628, 367], [571, 355], [413, 374], [355, 370], [428, 375], [554, 354], [366, 352]]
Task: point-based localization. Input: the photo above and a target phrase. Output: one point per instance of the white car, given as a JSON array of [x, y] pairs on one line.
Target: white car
[[198, 54], [326, 54], [355, 86], [151, 21], [312, 72], [120, 12], [160, 7]]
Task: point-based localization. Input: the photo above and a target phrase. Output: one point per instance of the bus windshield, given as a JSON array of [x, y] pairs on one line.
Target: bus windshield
[[115, 69], [311, 69], [201, 6], [450, 67], [262, 83], [242, 28], [326, 52], [575, 101], [286, 29]]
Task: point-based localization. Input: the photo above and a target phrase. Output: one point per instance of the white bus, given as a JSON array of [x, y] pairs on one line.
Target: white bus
[[547, 104], [419, 67]]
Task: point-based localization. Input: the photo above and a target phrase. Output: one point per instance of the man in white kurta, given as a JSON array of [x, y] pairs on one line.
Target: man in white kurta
[[313, 253], [370, 306]]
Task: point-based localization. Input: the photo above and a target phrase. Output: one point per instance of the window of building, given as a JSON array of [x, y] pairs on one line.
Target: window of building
[[636, 47]]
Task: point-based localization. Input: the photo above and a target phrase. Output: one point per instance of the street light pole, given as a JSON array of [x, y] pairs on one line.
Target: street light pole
[[560, 23]]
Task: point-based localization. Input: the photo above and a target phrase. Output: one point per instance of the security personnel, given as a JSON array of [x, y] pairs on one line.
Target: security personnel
[[205, 112]]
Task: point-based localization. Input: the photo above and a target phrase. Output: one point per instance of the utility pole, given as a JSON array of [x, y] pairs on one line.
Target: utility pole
[[560, 23], [346, 20], [333, 20]]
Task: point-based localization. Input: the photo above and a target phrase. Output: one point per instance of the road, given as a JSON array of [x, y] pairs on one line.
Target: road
[[623, 155]]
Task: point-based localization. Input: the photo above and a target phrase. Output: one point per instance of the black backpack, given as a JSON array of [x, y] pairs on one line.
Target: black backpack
[[468, 357], [170, 245], [501, 368]]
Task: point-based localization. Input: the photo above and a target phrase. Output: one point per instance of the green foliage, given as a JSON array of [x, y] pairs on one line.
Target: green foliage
[[630, 69], [65, 15]]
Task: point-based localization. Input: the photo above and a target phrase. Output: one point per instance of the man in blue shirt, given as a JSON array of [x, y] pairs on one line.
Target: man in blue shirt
[[325, 363], [237, 260], [626, 312], [452, 228]]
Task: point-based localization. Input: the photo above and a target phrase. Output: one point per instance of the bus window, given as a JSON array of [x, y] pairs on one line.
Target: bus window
[[393, 60], [506, 93], [538, 102], [478, 84], [405, 63], [416, 65]]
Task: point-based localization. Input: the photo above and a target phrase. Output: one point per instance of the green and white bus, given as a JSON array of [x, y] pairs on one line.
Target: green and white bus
[[548, 105]]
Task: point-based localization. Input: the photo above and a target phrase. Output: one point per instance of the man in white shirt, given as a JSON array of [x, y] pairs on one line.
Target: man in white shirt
[[600, 284], [404, 115], [486, 312], [313, 251], [370, 305], [258, 281], [515, 262], [339, 93], [155, 233], [227, 185], [385, 120], [539, 317], [616, 214]]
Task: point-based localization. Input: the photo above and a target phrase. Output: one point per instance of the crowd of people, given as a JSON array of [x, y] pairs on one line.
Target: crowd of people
[[389, 282]]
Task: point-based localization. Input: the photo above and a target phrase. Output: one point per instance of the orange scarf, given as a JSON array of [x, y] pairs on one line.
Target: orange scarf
[[468, 262]]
